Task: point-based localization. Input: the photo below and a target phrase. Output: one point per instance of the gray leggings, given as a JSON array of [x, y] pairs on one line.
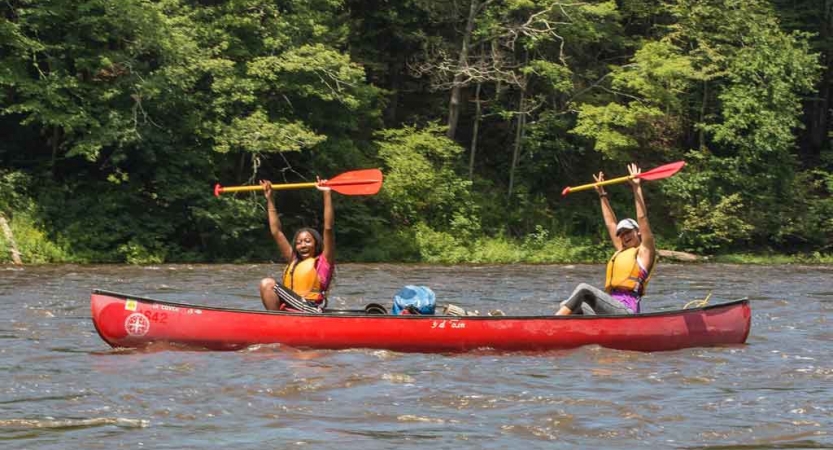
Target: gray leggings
[[589, 300]]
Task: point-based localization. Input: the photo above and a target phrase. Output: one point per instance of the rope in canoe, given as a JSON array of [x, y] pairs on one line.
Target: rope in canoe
[[699, 303]]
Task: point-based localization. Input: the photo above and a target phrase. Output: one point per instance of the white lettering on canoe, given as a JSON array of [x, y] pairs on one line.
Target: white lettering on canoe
[[456, 324], [165, 307]]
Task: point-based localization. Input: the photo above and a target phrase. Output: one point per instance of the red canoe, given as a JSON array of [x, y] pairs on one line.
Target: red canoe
[[133, 322]]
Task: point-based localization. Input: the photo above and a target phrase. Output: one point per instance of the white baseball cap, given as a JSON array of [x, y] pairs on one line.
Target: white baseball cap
[[626, 224]]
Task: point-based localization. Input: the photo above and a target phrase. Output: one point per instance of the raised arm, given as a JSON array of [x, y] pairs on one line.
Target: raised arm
[[647, 249], [329, 245], [607, 212], [275, 222]]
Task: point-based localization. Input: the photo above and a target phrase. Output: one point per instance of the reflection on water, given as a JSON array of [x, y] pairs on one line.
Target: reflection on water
[[64, 388]]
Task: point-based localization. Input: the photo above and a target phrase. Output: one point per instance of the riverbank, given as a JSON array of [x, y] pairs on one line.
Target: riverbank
[[490, 253], [771, 258], [23, 243]]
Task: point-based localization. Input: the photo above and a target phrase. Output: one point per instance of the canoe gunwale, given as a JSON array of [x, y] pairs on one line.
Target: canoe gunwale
[[361, 312]]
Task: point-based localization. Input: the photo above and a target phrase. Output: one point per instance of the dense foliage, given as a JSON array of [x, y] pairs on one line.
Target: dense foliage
[[118, 117]]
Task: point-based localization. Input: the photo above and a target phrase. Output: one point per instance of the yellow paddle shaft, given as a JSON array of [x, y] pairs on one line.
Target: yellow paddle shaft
[[585, 187], [275, 187]]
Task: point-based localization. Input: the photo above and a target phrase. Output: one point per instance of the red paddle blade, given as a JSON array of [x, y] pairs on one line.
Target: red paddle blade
[[661, 172], [356, 182]]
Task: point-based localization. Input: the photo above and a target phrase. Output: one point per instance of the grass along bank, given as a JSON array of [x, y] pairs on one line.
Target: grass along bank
[[427, 246], [30, 242]]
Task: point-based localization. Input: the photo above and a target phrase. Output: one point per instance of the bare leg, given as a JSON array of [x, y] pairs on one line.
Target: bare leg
[[563, 311], [267, 294]]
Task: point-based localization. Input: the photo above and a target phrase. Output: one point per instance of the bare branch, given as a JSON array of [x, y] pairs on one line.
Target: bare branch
[[500, 65]]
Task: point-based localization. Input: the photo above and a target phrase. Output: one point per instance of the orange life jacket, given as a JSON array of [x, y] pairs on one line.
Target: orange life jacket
[[623, 273], [302, 278]]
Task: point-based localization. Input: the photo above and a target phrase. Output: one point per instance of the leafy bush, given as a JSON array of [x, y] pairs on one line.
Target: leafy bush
[[18, 209], [439, 246], [13, 188], [420, 183], [34, 245], [708, 227], [136, 253]]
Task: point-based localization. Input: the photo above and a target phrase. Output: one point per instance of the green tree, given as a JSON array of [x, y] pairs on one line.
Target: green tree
[[724, 85], [136, 107], [424, 194], [816, 18]]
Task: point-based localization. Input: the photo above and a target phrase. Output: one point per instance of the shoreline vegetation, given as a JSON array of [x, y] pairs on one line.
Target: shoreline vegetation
[[120, 118], [36, 249]]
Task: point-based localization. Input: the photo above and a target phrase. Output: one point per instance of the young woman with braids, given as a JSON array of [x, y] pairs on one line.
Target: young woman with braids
[[309, 257]]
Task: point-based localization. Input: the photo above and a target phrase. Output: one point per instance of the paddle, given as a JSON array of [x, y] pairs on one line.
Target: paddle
[[356, 182], [654, 174]]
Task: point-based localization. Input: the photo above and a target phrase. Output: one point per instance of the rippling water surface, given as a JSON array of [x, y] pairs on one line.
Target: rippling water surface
[[63, 387]]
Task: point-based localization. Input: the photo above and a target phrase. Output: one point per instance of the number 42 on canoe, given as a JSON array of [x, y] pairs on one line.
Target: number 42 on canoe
[[355, 182], [658, 173]]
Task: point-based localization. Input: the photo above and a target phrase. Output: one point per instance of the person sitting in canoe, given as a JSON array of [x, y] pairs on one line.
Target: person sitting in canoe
[[309, 258], [629, 268]]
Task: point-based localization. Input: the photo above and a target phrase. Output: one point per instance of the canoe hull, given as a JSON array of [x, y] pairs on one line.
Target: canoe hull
[[134, 322]]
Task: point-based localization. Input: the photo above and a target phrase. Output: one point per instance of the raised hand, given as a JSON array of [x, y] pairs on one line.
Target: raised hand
[[634, 170], [319, 184], [599, 178], [267, 188]]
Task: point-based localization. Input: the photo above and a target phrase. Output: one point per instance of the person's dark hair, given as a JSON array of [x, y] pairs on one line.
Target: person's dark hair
[[319, 243]]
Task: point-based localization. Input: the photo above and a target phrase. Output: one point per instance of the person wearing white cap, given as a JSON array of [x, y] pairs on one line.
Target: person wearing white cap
[[629, 268]]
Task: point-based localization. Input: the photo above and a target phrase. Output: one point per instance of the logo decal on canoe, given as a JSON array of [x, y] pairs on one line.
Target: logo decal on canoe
[[130, 305], [137, 324]]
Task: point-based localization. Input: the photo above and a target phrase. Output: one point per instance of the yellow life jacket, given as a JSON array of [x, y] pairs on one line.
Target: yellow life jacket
[[623, 273], [302, 278]]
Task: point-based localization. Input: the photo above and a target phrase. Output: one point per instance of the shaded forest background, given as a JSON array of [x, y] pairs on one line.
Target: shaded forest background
[[118, 117]]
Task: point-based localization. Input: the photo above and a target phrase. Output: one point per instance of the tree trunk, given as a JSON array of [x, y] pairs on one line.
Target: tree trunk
[[701, 135], [817, 110], [7, 231], [455, 103], [240, 166], [395, 70], [478, 114], [519, 133], [53, 163]]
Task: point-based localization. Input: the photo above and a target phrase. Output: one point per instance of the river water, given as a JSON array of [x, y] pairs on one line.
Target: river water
[[62, 387]]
